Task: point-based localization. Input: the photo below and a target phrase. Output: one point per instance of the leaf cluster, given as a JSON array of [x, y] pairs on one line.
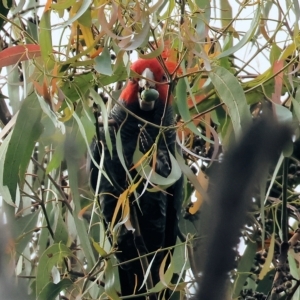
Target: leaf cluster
[[59, 57]]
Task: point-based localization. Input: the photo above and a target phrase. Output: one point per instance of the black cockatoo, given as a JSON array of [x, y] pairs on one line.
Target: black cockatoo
[[144, 121]]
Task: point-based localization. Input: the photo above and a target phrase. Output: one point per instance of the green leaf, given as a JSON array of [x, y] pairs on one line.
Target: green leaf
[[267, 265], [190, 175], [60, 231], [104, 116], [246, 38], [57, 158], [226, 13], [86, 18], [103, 63], [265, 285], [110, 281], [77, 88], [77, 139], [85, 5], [73, 157], [148, 173], [203, 17], [180, 258], [52, 290], [284, 115], [294, 267], [22, 230], [53, 256], [62, 4], [138, 39], [45, 40], [119, 74], [33, 31], [296, 105], [181, 102], [13, 93], [166, 11], [25, 134], [27, 152], [232, 94], [274, 53], [244, 268], [296, 10], [4, 9], [4, 191]]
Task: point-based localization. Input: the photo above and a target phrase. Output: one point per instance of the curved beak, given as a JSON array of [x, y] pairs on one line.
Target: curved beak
[[146, 84]]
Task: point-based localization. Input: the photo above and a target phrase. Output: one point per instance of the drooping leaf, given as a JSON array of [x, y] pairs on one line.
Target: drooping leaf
[[104, 116], [53, 256], [232, 94], [246, 38], [283, 114], [190, 175], [57, 157], [267, 265], [183, 109], [86, 20], [119, 74], [103, 63], [265, 284], [73, 157], [244, 268], [81, 10], [77, 88], [147, 172], [294, 267], [4, 9], [203, 180], [16, 54], [45, 39], [62, 4], [226, 13], [138, 39], [24, 136], [60, 231], [167, 11], [111, 280], [4, 190], [296, 106], [22, 230], [51, 290]]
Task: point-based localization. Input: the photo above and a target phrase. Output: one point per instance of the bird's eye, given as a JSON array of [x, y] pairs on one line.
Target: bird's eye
[[164, 78]]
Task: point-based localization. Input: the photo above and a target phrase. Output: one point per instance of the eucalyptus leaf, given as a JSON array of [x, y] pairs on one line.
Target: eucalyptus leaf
[[53, 256], [232, 94], [52, 290], [284, 115], [82, 9], [244, 267], [103, 63], [22, 142], [246, 38]]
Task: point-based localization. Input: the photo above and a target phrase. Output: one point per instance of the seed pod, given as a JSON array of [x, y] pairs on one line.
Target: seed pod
[[288, 284]]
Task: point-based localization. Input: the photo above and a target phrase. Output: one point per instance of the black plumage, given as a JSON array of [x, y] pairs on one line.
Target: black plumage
[[154, 215]]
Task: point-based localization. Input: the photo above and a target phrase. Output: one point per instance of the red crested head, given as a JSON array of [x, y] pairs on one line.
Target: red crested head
[[153, 64], [153, 77]]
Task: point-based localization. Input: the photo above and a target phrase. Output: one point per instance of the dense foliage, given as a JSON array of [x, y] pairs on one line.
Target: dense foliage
[[235, 61]]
